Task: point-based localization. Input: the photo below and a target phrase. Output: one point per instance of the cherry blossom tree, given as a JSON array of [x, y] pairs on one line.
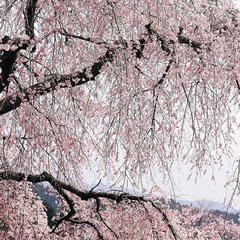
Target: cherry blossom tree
[[124, 88]]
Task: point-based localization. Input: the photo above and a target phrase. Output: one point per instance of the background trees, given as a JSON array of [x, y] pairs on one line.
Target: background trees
[[124, 88]]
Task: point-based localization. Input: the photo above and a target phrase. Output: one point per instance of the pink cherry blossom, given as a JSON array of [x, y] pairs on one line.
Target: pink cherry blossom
[[124, 89]]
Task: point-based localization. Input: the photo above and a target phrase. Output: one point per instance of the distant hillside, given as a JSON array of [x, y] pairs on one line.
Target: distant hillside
[[202, 217], [218, 209]]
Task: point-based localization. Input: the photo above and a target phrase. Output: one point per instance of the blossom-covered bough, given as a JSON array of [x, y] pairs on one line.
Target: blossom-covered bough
[[126, 88], [61, 187]]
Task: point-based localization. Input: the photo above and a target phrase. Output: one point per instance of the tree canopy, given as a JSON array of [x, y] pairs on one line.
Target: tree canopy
[[124, 88]]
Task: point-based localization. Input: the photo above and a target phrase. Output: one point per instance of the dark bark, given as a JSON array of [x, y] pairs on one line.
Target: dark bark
[[53, 82], [8, 59], [29, 15]]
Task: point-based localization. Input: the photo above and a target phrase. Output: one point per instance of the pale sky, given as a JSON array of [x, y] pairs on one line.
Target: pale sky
[[237, 3]]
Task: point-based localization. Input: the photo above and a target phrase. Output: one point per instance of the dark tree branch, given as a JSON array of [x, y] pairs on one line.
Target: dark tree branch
[[150, 220], [70, 203], [165, 73], [166, 220], [55, 81], [137, 48], [12, 176], [95, 185], [160, 81], [8, 59], [29, 16], [165, 44], [98, 203], [190, 108], [238, 85], [85, 196], [89, 224], [87, 39], [152, 128], [191, 43]]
